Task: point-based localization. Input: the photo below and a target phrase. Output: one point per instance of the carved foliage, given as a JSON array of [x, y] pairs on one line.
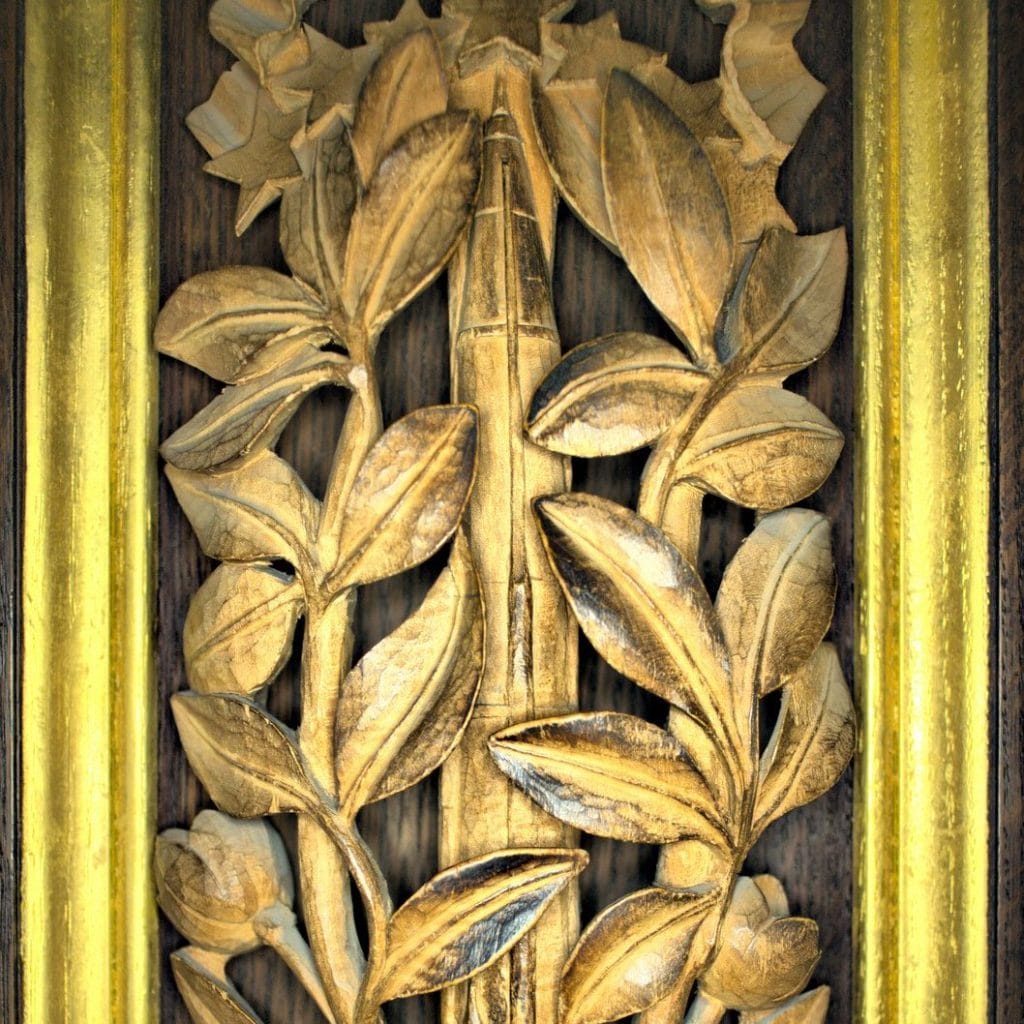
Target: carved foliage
[[377, 176], [647, 613], [680, 180], [375, 197]]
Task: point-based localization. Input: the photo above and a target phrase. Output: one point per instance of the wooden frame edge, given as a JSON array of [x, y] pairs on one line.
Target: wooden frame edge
[[921, 194], [12, 275], [921, 191], [1007, 55], [88, 916]]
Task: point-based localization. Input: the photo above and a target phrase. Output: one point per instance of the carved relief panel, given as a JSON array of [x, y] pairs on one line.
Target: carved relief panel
[[441, 148]]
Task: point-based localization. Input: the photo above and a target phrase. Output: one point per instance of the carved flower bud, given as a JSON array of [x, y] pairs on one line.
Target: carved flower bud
[[765, 955], [220, 881], [243, 26]]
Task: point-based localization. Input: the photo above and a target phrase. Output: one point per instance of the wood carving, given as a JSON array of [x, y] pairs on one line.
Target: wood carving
[[445, 143]]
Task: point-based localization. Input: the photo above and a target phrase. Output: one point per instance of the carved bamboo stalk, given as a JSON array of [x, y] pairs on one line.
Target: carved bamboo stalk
[[504, 341]]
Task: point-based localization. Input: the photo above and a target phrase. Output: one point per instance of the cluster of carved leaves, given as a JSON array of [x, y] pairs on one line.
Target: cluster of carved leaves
[[750, 301], [376, 177], [679, 179], [704, 782]]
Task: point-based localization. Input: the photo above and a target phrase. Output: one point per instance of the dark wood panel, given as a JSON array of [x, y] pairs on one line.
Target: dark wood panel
[[11, 332], [1008, 364], [811, 849]]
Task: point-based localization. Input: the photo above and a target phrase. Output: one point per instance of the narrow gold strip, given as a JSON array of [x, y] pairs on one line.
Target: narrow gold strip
[[88, 938], [922, 297]]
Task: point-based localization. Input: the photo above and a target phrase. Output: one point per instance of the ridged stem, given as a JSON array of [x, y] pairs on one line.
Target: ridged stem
[[326, 660], [676, 510]]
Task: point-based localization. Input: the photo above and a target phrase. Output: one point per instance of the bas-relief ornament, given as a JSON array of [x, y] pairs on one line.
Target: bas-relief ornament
[[445, 143]]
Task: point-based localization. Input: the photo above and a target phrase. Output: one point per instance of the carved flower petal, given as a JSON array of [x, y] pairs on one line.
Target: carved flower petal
[[225, 121]]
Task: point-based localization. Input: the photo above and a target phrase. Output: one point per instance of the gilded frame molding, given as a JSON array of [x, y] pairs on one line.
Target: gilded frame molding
[[88, 735], [922, 555], [922, 335]]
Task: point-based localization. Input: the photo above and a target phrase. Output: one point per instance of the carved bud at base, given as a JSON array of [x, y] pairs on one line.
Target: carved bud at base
[[221, 878], [765, 956]]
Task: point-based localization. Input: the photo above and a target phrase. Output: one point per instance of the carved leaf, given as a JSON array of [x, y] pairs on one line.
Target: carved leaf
[[410, 219], [809, 1008], [776, 598], [703, 751], [613, 395], [632, 954], [750, 195], [247, 760], [260, 511], [266, 164], [813, 739], [577, 61], [401, 683], [767, 93], [590, 51], [748, 189], [790, 304], [219, 321], [243, 26], [225, 121], [209, 999], [667, 211], [239, 629], [409, 493], [250, 417], [762, 448], [434, 739], [315, 216], [611, 775], [568, 118], [406, 86], [332, 80], [519, 22], [638, 602], [466, 917]]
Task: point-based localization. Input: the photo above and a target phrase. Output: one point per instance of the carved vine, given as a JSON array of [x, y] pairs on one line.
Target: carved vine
[[377, 171]]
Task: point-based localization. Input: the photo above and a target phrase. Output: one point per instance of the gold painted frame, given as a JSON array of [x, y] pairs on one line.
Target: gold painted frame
[[922, 562], [88, 736], [922, 327]]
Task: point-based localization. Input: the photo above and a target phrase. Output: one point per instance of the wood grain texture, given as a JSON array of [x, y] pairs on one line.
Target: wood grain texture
[[11, 396], [594, 294], [1008, 752]]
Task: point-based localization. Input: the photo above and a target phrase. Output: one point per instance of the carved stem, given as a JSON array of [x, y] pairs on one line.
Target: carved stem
[[664, 501], [324, 885], [704, 1010], [676, 508], [280, 933], [373, 890], [363, 425], [658, 486], [326, 659]]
